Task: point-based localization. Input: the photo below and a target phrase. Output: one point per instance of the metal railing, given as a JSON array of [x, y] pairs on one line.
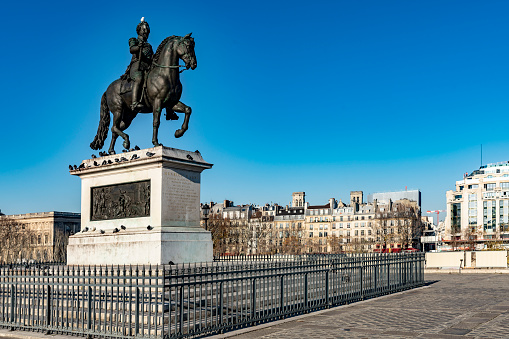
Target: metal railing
[[193, 300]]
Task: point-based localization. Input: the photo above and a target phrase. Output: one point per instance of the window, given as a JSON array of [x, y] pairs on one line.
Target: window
[[504, 184], [347, 225], [310, 234], [362, 232], [340, 218], [473, 186], [310, 227], [490, 187], [504, 215], [489, 213], [356, 232]]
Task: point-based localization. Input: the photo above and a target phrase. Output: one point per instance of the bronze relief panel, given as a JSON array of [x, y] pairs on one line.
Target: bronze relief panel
[[129, 200]]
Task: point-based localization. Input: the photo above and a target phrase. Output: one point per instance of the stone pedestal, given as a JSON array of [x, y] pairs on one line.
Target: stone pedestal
[[141, 207]]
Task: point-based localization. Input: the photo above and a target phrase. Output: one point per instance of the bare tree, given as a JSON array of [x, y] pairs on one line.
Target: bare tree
[[60, 242], [220, 229], [335, 243], [382, 228], [409, 225], [261, 228], [291, 245], [398, 223], [16, 241]]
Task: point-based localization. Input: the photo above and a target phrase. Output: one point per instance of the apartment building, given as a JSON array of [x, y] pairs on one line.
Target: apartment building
[[478, 209], [330, 228]]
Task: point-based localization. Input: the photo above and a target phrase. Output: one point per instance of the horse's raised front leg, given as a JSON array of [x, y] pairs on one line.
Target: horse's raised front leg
[[182, 108], [116, 131], [157, 122]]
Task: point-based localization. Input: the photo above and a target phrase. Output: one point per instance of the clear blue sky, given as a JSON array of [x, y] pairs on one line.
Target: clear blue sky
[[317, 96]]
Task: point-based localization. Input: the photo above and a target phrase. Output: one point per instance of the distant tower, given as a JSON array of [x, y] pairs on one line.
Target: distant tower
[[298, 199], [356, 197]]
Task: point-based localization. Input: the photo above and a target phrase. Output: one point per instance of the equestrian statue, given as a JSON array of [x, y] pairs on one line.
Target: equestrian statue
[[150, 83]]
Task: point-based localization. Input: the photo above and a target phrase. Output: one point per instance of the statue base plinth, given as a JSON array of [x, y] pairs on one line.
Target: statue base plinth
[[141, 207], [154, 247]]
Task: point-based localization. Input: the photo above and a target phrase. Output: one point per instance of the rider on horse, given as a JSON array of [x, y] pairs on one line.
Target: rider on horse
[[140, 62]]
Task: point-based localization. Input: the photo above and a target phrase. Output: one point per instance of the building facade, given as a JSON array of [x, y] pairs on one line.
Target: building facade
[[478, 209], [331, 228], [411, 195], [40, 236]]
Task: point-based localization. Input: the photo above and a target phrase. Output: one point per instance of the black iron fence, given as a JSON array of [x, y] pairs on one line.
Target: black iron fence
[[193, 300]]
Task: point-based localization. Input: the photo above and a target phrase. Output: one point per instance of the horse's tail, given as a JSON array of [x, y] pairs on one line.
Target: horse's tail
[[104, 124]]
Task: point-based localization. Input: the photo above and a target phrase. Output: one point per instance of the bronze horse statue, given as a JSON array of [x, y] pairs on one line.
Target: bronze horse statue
[[163, 90]]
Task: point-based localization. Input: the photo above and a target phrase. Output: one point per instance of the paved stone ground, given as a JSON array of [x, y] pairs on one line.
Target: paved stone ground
[[454, 306]]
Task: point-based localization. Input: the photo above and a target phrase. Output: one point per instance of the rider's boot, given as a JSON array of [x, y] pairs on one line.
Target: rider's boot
[[135, 105], [171, 115]]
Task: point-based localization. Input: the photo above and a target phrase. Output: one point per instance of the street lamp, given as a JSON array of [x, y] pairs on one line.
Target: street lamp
[[205, 210]]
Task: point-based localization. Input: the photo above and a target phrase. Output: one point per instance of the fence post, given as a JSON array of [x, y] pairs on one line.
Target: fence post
[[89, 316], [137, 312], [13, 304], [376, 268], [181, 308], [221, 301], [305, 292], [388, 275], [48, 310], [361, 266], [282, 296], [327, 289], [253, 299]]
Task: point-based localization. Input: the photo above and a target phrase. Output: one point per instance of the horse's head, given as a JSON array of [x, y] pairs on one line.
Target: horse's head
[[185, 50]]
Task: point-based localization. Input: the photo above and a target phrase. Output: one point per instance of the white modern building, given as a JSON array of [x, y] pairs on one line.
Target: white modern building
[[478, 208]]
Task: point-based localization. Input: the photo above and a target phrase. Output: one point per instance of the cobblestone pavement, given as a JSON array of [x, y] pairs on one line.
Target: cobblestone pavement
[[455, 306]]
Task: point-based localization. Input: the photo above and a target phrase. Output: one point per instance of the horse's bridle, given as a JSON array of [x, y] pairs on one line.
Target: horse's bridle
[[177, 66]]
